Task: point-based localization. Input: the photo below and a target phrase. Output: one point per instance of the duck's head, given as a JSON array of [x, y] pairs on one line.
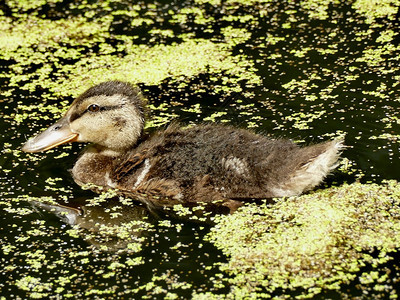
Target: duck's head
[[109, 115]]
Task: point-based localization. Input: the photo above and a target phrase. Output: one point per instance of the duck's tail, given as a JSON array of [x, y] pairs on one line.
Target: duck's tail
[[313, 164]]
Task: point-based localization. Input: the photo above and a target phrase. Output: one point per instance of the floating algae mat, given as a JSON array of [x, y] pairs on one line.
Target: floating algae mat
[[306, 70], [313, 242]]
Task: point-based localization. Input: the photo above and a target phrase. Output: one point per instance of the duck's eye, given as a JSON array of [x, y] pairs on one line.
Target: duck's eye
[[93, 108]]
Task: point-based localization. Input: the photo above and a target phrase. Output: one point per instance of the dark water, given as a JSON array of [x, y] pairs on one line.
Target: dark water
[[315, 84]]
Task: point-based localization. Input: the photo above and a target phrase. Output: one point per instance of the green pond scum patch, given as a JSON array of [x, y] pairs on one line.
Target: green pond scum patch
[[63, 49], [316, 242], [373, 9]]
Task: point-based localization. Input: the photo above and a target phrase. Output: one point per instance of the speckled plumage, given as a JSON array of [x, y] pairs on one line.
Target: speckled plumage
[[204, 163]]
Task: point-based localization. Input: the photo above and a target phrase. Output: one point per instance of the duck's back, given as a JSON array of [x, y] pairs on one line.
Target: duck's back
[[204, 163], [234, 160]]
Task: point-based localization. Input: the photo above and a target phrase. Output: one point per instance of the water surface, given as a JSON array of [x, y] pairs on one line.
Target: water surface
[[308, 71]]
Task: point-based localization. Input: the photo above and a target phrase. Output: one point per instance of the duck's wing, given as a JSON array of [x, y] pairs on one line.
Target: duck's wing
[[129, 164]]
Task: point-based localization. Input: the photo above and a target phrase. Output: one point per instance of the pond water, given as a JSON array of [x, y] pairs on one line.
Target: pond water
[[304, 70]]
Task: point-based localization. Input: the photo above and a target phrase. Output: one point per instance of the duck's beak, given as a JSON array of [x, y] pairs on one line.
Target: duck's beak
[[57, 134]]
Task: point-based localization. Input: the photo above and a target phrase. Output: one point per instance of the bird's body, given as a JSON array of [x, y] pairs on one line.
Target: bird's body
[[200, 164]]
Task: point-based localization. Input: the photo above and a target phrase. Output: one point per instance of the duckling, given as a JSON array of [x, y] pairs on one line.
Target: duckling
[[201, 164]]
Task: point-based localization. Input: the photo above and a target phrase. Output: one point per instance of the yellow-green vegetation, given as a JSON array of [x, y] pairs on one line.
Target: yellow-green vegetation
[[61, 49], [373, 9], [301, 120], [119, 238], [186, 59], [24, 5], [318, 9], [311, 243]]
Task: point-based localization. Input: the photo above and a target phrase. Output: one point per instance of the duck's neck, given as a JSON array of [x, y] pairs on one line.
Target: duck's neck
[[104, 151], [110, 150], [95, 165]]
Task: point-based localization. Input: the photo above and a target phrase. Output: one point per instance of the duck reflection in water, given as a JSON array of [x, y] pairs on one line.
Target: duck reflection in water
[[110, 226], [200, 164]]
